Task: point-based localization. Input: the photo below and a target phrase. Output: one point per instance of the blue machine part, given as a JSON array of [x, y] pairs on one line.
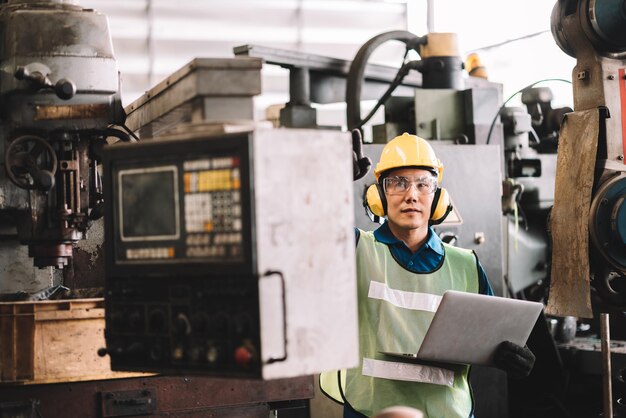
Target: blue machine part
[[608, 18], [608, 221], [618, 220]]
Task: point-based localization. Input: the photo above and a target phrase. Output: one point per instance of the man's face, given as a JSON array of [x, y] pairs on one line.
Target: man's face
[[409, 193]]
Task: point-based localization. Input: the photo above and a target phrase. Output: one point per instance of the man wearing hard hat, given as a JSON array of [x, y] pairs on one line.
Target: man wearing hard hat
[[403, 270]]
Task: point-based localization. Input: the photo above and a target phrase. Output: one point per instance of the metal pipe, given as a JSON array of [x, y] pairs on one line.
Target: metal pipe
[[299, 86], [430, 16], [605, 345]]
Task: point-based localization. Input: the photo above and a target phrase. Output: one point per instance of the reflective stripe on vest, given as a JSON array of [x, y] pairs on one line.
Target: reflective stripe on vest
[[396, 370], [402, 299]]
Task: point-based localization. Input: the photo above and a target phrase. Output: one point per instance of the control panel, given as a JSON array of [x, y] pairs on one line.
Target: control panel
[[182, 293], [211, 326]]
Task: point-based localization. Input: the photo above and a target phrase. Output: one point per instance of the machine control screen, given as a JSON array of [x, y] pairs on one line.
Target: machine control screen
[[149, 204], [186, 210]]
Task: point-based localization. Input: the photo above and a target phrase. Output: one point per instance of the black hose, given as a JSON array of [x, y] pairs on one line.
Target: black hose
[[357, 70], [402, 72]]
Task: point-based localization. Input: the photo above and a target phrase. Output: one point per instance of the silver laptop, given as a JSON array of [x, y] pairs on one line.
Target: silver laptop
[[467, 328]]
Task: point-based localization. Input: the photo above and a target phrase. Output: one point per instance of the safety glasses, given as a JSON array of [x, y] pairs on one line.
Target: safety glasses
[[424, 185]]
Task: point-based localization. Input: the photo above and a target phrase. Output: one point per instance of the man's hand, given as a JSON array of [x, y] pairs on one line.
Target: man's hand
[[516, 360]]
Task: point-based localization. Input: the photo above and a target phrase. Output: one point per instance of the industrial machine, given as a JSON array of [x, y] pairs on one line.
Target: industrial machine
[[59, 95], [203, 274], [60, 104], [593, 33], [214, 256], [587, 220], [566, 218], [430, 97], [530, 154]]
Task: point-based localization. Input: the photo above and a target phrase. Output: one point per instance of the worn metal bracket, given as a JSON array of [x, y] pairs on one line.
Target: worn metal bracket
[[127, 402]]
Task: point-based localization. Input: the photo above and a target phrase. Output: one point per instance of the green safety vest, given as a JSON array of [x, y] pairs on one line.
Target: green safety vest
[[396, 307]]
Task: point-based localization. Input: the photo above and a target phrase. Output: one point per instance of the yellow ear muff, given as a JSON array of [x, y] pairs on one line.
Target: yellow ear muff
[[375, 200], [441, 206]]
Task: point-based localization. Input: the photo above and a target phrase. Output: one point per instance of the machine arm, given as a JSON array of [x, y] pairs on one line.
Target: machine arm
[[594, 32]]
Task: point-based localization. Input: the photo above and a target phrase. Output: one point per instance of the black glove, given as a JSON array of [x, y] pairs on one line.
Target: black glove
[[515, 360], [360, 163]]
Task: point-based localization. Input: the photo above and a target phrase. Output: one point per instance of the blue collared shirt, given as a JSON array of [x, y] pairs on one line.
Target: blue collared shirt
[[426, 259]]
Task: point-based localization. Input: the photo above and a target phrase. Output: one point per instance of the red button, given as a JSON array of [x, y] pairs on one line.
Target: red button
[[243, 356]]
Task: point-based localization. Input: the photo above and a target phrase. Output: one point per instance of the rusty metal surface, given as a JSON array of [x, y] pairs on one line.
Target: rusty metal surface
[[86, 271], [187, 396], [569, 285], [80, 111]]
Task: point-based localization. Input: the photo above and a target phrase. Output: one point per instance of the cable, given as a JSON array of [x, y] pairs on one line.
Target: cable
[[493, 122], [533, 133], [356, 73], [402, 72], [112, 131], [131, 133], [508, 41]]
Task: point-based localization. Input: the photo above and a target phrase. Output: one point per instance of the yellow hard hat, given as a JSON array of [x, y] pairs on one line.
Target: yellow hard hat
[[408, 151]]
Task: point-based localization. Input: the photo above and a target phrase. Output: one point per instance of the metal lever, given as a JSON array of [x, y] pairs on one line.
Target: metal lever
[[65, 89]]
